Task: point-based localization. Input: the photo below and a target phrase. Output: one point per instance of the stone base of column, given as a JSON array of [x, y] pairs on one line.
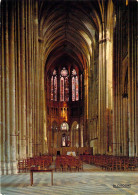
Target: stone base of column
[[22, 154], [8, 168], [3, 168], [14, 169]]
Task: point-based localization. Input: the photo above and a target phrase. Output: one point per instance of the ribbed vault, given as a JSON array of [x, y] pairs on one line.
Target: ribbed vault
[[68, 29]]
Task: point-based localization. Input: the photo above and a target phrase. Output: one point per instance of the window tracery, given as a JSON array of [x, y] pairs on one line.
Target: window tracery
[[54, 86], [64, 85], [75, 86]]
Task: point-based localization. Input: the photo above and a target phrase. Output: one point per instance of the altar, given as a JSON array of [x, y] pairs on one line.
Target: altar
[[71, 153]]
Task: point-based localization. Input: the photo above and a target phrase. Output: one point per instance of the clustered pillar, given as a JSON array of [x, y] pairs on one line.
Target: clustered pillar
[[21, 135], [125, 131], [105, 96], [102, 92]]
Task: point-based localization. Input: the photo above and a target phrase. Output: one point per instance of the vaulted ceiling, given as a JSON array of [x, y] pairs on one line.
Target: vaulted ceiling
[[69, 30]]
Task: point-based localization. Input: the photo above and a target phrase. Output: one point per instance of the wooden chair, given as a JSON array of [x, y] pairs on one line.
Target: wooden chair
[[58, 165], [64, 164], [79, 164], [73, 165], [132, 164]]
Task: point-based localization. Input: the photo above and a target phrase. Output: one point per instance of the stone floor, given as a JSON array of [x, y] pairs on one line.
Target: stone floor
[[90, 181]]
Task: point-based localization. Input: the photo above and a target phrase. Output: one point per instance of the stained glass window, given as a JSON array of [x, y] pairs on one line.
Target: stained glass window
[[63, 140], [74, 73], [73, 89], [64, 126], [81, 86], [64, 85], [66, 89], [54, 72], [77, 89], [54, 86], [64, 72], [61, 89], [75, 86]]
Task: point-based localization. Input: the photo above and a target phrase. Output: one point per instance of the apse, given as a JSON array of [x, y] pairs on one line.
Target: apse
[[69, 36]]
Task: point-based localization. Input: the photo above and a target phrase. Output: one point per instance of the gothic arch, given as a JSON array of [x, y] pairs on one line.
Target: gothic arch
[[75, 134], [54, 132]]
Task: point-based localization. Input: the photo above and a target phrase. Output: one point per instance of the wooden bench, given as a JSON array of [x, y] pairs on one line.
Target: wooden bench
[[37, 170]]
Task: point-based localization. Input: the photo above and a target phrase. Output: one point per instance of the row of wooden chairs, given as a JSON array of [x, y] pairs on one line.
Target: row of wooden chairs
[[111, 162], [68, 163], [86, 158], [42, 162]]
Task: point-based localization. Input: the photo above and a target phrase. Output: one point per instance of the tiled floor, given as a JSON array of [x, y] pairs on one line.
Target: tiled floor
[[91, 181]]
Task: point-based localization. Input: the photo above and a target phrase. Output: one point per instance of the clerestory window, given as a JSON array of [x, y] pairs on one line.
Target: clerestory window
[[54, 86], [75, 86]]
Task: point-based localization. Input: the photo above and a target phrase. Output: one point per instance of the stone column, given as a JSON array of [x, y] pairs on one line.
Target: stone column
[[29, 24], [23, 83], [3, 84], [32, 76], [43, 98], [131, 76], [109, 84], [43, 108], [125, 126], [118, 116], [99, 104], [105, 87], [34, 85], [115, 94], [81, 132], [7, 96], [16, 78], [27, 74], [85, 137], [19, 94], [90, 100], [102, 92], [12, 93], [36, 74], [116, 71]]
